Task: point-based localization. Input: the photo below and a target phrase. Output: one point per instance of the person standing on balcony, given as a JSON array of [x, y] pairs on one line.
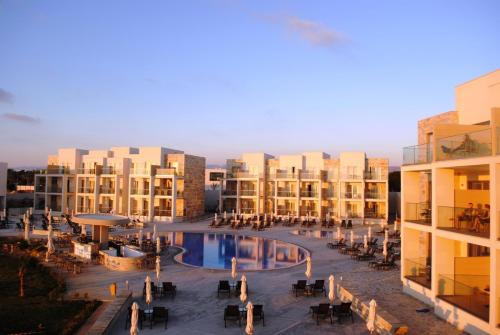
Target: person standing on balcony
[[482, 219], [466, 215]]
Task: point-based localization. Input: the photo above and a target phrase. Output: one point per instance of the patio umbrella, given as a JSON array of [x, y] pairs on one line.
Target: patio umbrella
[[328, 217], [26, 228], [384, 252], [338, 233], [386, 235], [158, 269], [134, 319], [331, 288], [352, 237], [50, 244], [140, 237], [370, 232], [215, 217], [233, 268], [308, 272], [155, 233], [243, 294], [225, 215], [370, 324], [395, 225], [149, 297], [158, 245], [249, 327], [365, 241]]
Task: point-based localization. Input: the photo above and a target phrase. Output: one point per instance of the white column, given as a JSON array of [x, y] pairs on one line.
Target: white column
[[129, 198], [64, 194], [174, 197], [96, 193], [494, 234], [320, 211], [257, 205], [220, 195], [238, 196], [151, 209], [275, 197]]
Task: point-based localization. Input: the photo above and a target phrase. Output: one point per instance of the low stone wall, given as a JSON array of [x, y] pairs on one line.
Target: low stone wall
[[106, 321], [385, 323]]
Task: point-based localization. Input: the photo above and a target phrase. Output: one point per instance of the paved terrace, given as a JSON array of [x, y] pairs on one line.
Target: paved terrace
[[197, 310]]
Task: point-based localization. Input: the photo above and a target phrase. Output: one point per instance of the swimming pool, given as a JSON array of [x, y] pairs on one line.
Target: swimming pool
[[215, 251], [323, 234]]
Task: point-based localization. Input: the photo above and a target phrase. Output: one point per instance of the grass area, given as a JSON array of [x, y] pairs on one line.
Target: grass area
[[42, 309]]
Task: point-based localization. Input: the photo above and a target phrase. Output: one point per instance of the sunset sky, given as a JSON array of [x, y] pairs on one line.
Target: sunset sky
[[217, 77]]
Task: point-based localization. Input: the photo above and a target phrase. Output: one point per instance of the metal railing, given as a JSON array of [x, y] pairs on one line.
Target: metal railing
[[467, 292], [168, 172], [286, 193], [106, 190], [111, 170], [418, 270], [163, 212], [163, 191], [241, 174], [138, 191], [309, 194], [466, 221], [330, 194], [466, 145], [305, 212], [351, 195], [309, 175], [374, 195], [283, 175], [375, 175], [352, 176], [87, 171], [417, 154], [85, 190], [56, 170], [286, 211], [139, 212], [84, 209], [248, 210], [248, 193], [418, 213]]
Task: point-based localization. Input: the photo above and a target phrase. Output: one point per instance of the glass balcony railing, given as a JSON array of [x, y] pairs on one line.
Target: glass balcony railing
[[369, 214], [352, 176], [54, 189], [247, 210], [309, 194], [374, 175], [86, 171], [467, 145], [286, 194], [241, 174], [329, 194], [85, 209], [283, 175], [163, 212], [52, 169], [286, 211], [111, 170], [105, 209], [163, 191], [351, 195], [467, 221], [374, 195], [418, 270], [139, 212], [139, 191], [106, 190], [417, 154], [305, 212], [229, 192], [86, 190], [248, 193], [40, 188], [309, 175], [168, 172], [420, 213], [467, 292]]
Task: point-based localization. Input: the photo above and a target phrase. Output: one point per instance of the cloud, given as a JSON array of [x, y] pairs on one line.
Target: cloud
[[312, 32], [20, 118], [6, 97]]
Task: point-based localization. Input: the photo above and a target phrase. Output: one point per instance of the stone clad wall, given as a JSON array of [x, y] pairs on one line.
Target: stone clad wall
[[194, 186]]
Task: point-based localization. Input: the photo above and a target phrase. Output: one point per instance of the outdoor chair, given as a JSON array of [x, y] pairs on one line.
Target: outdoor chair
[[337, 245], [366, 256], [321, 311], [373, 241], [343, 310], [318, 286], [168, 288], [386, 265], [232, 312], [258, 314], [349, 224], [160, 314], [237, 288], [299, 286], [224, 288], [343, 224]]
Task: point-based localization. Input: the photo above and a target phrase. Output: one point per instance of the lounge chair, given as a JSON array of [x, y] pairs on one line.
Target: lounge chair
[[349, 224], [343, 310], [299, 286], [386, 265], [258, 314], [366, 256], [322, 311], [168, 288], [224, 288], [373, 241], [159, 314], [340, 243], [318, 286], [232, 312], [343, 224]]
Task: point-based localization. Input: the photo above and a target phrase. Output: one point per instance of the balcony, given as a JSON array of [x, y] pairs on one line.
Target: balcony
[[54, 189], [53, 169], [139, 191], [351, 176], [40, 188], [417, 154], [105, 209], [111, 170], [247, 210], [418, 271], [230, 193], [467, 292], [309, 194], [329, 194], [420, 213], [466, 145], [89, 190], [163, 212], [309, 175], [142, 171], [167, 172], [351, 195], [332, 175], [163, 191], [241, 174], [306, 212], [248, 193], [85, 209], [374, 195], [87, 171], [284, 175], [464, 221], [374, 215], [286, 194], [373, 175], [286, 211], [139, 212], [106, 190]]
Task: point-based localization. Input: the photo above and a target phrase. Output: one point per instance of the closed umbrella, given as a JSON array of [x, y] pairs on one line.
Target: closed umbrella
[[149, 297], [370, 233], [155, 233], [233, 268], [50, 244], [140, 237], [352, 237], [249, 327], [338, 233], [328, 217], [215, 217], [386, 235], [158, 269], [308, 272], [395, 225], [225, 216], [370, 324], [365, 241], [134, 319], [385, 249], [243, 294], [158, 245], [26, 229], [331, 289]]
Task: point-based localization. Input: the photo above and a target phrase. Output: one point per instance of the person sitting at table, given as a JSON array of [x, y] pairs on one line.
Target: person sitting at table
[[467, 214], [482, 218]]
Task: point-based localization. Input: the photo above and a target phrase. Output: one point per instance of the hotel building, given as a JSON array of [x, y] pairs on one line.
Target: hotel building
[[351, 186], [3, 188], [450, 256], [152, 183]]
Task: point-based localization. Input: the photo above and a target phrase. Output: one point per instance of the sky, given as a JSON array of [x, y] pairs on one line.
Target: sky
[[220, 77]]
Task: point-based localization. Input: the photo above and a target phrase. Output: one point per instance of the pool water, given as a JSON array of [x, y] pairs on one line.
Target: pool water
[[216, 250], [323, 234]]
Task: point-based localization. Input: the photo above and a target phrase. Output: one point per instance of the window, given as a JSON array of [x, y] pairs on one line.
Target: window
[[216, 176]]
